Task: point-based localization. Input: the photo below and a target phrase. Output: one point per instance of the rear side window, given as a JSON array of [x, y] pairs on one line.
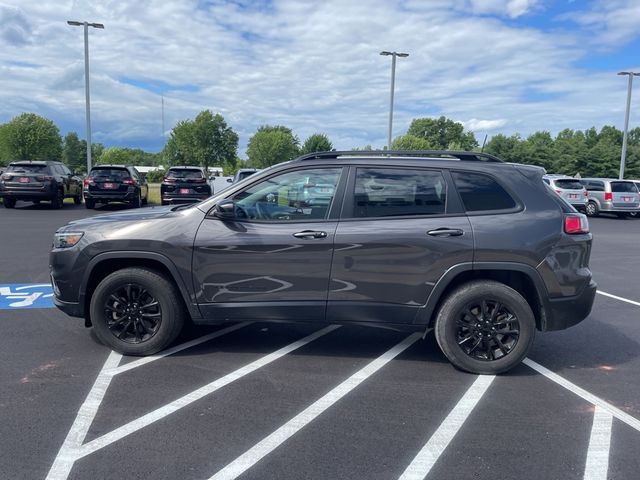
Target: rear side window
[[480, 192], [110, 173], [594, 186], [27, 168], [390, 192], [188, 173], [623, 187], [569, 184]]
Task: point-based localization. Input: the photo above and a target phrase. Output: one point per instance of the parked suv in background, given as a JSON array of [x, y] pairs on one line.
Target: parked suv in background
[[243, 173], [35, 181], [569, 189], [478, 250], [115, 183], [608, 195], [184, 185]]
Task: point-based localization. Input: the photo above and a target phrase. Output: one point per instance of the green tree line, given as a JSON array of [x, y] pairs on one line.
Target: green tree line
[[209, 141]]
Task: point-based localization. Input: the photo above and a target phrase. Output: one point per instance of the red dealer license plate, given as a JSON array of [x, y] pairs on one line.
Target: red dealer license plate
[[184, 190], [627, 199], [109, 185], [24, 180], [573, 195]]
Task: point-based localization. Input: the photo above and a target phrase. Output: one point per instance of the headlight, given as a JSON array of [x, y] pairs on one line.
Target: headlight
[[66, 239]]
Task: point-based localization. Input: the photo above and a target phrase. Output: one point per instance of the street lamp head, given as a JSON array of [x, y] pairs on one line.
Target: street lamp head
[[74, 23], [402, 54], [96, 25], [80, 24], [385, 53]]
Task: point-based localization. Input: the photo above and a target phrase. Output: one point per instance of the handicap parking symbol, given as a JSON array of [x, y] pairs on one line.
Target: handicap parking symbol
[[17, 296]]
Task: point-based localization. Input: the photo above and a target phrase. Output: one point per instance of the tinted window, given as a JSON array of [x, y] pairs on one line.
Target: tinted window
[[569, 184], [109, 173], [243, 175], [27, 168], [389, 192], [190, 173], [623, 187], [594, 186], [293, 196], [481, 192]]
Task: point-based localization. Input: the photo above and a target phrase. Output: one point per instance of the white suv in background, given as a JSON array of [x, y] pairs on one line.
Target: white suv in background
[[570, 189]]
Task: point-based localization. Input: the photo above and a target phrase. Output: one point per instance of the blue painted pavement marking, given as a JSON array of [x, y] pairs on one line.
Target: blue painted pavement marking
[[15, 296]]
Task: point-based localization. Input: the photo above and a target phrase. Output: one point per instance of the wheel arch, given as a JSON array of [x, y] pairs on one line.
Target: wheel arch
[[522, 278], [106, 263]]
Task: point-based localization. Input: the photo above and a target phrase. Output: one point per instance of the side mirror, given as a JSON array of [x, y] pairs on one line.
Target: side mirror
[[229, 180], [225, 210]]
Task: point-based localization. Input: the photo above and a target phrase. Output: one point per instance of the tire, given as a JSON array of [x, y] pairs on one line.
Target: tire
[[145, 200], [9, 202], [136, 202], [464, 342], [77, 199], [90, 203], [592, 209], [140, 334], [58, 200]]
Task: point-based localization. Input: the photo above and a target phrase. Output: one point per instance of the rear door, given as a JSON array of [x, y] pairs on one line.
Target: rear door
[[26, 177], [396, 237], [625, 195], [109, 181]]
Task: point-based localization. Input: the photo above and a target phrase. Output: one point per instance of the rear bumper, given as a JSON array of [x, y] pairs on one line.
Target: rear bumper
[[27, 195], [610, 207], [109, 197], [561, 313]]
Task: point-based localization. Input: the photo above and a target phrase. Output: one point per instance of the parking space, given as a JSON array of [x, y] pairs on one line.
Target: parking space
[[258, 401]]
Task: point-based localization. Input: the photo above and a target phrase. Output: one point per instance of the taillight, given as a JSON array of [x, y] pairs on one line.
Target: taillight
[[200, 180], [6, 176], [575, 224], [586, 194], [169, 180], [44, 178], [559, 192], [608, 196], [129, 181], [88, 181]]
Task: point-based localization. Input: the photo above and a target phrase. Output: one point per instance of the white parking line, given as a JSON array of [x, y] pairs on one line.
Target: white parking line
[[270, 443], [68, 452], [622, 299], [176, 349], [589, 397], [599, 444], [429, 454], [162, 412]]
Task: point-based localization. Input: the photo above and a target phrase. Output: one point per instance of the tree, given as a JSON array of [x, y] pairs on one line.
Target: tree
[[318, 142], [206, 141], [31, 137], [443, 133], [73, 155], [410, 142], [115, 156], [271, 145]]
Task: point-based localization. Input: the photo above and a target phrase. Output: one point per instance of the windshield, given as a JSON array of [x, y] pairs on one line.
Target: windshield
[[27, 168], [190, 173]]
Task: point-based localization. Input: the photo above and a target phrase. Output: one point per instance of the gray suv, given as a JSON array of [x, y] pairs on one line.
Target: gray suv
[[569, 189], [477, 250], [608, 195]]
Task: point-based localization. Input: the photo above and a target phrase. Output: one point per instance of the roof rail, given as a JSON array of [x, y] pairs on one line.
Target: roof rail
[[438, 154]]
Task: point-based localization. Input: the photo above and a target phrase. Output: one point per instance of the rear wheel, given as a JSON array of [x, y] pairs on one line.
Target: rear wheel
[[592, 209], [90, 203], [58, 200], [485, 327], [137, 311], [9, 202], [77, 199], [137, 201]]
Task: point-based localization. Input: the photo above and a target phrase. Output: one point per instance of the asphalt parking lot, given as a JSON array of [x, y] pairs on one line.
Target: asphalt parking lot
[[260, 401]]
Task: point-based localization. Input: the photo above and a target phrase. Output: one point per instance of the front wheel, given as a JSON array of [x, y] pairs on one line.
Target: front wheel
[[77, 199], [89, 203], [485, 327], [137, 311], [9, 202], [137, 201], [58, 200]]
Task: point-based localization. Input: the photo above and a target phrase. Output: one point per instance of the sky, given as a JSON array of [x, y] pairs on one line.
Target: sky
[[496, 66]]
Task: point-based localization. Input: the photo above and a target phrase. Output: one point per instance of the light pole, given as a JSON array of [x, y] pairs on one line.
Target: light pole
[[86, 26], [623, 157], [393, 81]]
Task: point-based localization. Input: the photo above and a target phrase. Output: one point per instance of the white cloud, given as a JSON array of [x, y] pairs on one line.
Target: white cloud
[[312, 66], [613, 22], [509, 8]]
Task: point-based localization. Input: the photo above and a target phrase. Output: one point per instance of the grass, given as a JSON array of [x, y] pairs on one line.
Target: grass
[[154, 194]]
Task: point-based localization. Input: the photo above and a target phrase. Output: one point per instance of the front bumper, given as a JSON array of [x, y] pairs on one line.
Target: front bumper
[[73, 309], [561, 313]]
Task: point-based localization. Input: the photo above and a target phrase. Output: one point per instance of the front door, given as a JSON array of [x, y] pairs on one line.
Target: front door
[[272, 260]]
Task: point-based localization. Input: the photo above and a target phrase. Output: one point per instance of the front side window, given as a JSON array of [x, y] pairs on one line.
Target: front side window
[[295, 196], [391, 192], [480, 192]]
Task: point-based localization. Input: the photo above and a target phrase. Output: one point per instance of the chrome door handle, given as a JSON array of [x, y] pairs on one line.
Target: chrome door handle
[[445, 232], [310, 234]]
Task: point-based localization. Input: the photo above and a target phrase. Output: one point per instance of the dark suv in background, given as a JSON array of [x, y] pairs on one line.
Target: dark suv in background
[[479, 251], [115, 183], [184, 185], [35, 181]]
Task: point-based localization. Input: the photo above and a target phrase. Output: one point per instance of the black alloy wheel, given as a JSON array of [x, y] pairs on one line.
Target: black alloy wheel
[[137, 311], [485, 327], [487, 330], [133, 314]]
